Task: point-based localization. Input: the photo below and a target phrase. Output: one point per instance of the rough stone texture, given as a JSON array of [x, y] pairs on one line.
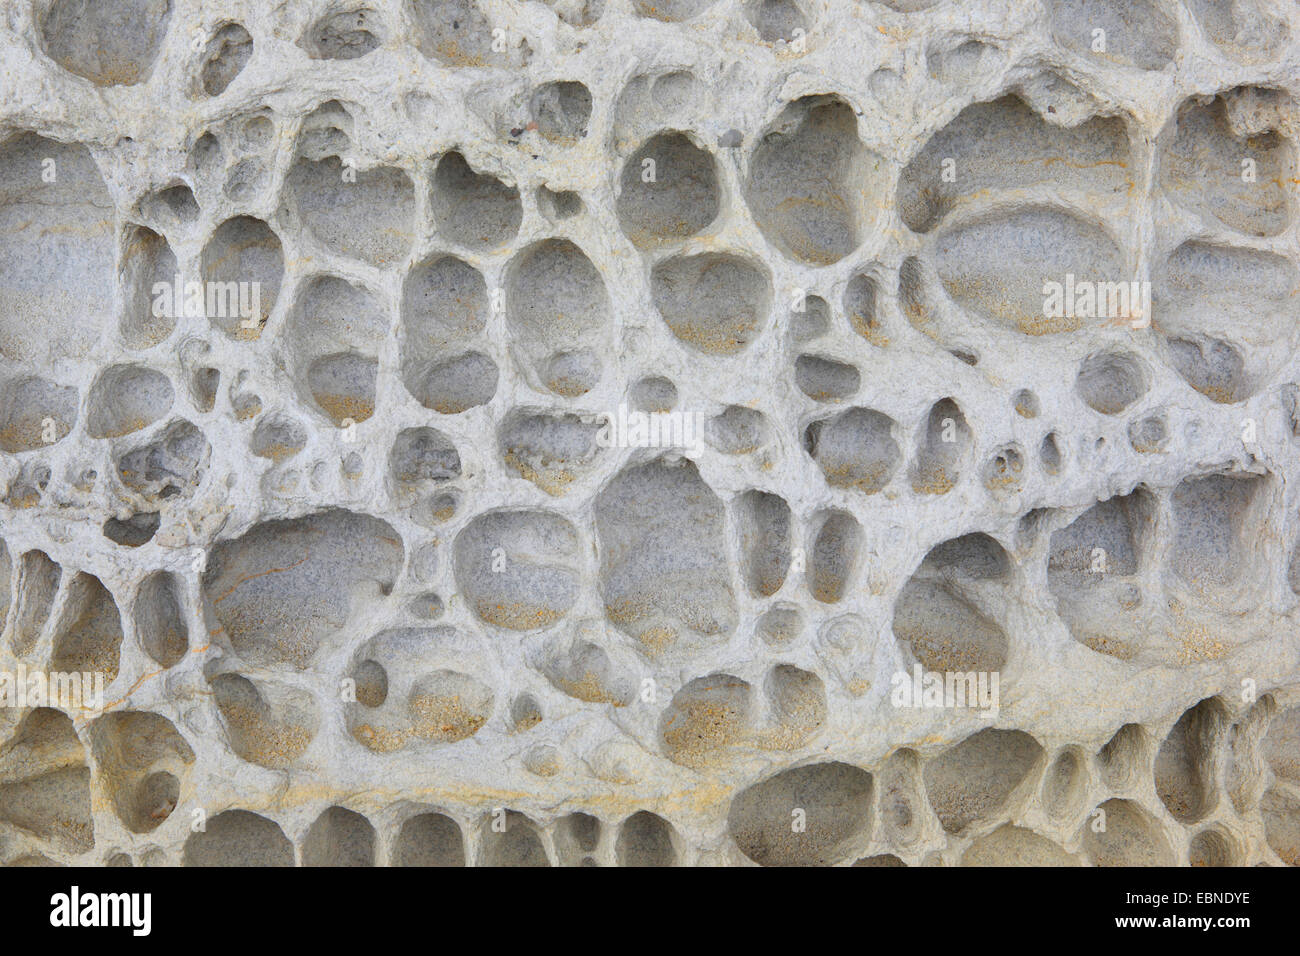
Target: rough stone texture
[[387, 472]]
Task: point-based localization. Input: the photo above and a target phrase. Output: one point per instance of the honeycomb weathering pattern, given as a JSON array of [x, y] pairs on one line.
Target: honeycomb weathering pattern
[[363, 534]]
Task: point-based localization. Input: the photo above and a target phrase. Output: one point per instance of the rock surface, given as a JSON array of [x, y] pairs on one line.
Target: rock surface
[[328, 336]]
